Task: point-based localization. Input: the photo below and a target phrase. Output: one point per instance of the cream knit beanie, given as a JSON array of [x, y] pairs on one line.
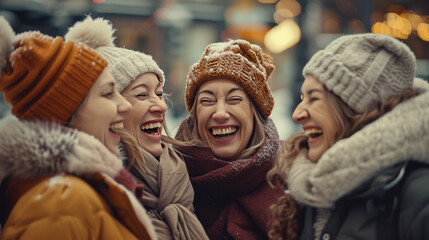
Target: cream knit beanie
[[124, 64], [364, 69]]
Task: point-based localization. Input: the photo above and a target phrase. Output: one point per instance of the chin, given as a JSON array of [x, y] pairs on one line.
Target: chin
[[114, 150], [155, 152], [313, 157], [224, 155]]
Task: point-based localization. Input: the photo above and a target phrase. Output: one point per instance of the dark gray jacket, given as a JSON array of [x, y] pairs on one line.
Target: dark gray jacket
[[395, 205]]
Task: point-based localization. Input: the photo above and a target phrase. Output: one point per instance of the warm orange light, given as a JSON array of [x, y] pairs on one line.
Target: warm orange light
[[414, 19], [423, 31], [267, 1], [381, 28]]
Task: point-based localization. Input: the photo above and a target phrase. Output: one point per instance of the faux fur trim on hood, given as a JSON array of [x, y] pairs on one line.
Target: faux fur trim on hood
[[398, 136], [33, 148]]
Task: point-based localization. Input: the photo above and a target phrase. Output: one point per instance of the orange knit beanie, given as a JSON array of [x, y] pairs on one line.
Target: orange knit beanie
[[237, 60], [45, 78]]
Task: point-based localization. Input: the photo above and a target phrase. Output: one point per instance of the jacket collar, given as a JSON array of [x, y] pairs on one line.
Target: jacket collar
[[35, 148]]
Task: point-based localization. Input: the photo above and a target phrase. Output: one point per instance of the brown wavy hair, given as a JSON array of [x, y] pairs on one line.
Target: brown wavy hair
[[285, 220]]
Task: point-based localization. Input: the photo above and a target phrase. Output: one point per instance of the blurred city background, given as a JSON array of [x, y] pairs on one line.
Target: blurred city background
[[176, 32]]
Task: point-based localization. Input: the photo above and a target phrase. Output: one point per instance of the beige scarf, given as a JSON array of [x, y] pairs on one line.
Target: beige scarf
[[168, 196]]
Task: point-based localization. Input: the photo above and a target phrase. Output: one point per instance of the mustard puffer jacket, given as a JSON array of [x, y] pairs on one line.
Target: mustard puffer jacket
[[60, 183]]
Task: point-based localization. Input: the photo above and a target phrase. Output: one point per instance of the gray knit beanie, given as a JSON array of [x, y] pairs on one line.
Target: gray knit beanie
[[364, 69], [124, 64]]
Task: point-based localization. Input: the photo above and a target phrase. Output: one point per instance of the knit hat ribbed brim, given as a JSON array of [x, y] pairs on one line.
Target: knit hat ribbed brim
[[126, 65], [46, 78], [364, 69]]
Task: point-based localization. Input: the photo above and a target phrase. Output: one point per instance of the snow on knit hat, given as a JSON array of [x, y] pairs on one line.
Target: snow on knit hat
[[237, 60], [45, 78], [364, 69], [124, 64]]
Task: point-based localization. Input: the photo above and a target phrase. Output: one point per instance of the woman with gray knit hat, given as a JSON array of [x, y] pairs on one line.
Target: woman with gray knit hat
[[360, 168], [168, 193], [231, 141]]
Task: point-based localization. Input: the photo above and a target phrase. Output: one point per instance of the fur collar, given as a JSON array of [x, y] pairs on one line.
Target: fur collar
[[398, 136], [34, 148]]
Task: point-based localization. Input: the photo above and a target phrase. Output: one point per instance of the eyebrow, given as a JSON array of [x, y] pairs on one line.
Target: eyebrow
[[144, 85], [140, 85], [229, 92], [309, 92], [110, 84]]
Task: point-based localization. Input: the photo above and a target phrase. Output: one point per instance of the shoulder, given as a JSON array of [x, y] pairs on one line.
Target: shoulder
[[60, 195], [415, 192], [414, 203]]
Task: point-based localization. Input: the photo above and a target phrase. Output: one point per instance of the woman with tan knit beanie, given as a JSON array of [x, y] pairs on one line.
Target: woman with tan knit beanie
[[230, 139], [168, 193], [360, 168], [60, 174]]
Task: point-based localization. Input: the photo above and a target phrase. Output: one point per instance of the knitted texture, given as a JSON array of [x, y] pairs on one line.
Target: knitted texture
[[124, 64], [232, 198], [127, 65], [364, 69], [237, 60], [46, 78], [398, 136]]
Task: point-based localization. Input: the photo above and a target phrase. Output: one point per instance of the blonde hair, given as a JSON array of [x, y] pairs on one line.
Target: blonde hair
[[349, 122], [135, 154]]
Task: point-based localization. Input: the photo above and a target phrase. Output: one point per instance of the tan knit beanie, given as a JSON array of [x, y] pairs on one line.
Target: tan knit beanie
[[364, 69], [124, 64], [45, 78], [237, 60]]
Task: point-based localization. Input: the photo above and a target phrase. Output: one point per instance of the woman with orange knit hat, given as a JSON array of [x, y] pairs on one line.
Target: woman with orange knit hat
[[233, 140], [60, 175], [168, 195]]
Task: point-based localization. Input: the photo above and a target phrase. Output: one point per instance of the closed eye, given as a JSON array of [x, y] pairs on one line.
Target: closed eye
[[141, 95], [235, 100], [206, 101]]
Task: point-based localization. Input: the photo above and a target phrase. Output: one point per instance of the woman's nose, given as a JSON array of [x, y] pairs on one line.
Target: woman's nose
[[158, 105], [300, 114], [221, 113], [123, 105]]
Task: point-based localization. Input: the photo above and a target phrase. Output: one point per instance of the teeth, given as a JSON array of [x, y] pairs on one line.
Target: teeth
[[312, 131], [151, 126], [223, 131], [117, 125]]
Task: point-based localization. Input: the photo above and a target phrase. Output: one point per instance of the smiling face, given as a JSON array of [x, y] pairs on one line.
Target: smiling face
[[316, 116], [224, 117], [146, 118], [102, 111]]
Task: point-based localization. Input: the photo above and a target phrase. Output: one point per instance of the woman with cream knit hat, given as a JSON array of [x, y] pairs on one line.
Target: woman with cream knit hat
[[231, 141], [168, 193], [60, 174], [360, 167]]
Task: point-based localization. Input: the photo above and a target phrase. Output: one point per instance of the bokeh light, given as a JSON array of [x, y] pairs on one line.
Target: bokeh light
[[283, 36]]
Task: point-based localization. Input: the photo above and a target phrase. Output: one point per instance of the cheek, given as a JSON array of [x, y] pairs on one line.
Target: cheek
[[243, 112], [331, 130]]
